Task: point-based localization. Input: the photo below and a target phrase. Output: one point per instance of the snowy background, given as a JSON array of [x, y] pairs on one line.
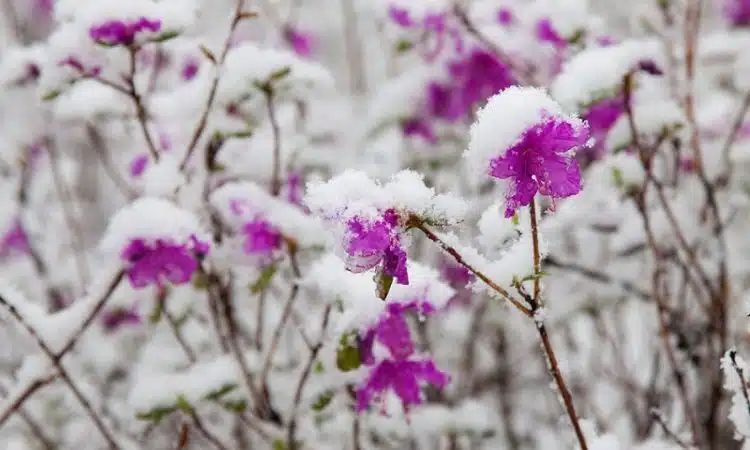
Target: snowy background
[[374, 224]]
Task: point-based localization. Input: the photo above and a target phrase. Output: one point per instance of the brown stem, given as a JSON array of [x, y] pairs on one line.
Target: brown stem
[[417, 223], [276, 174], [201, 126], [140, 109], [57, 357], [292, 430]]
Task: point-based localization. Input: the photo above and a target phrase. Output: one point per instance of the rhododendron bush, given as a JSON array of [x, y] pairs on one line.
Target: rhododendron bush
[[375, 224]]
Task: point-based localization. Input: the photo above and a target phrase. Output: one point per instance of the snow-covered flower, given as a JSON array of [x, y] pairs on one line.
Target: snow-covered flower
[[399, 371], [261, 237], [153, 263], [523, 136], [404, 377], [120, 32], [371, 242]]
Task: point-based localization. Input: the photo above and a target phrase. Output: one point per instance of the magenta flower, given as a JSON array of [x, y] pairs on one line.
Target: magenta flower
[[392, 331], [370, 243], [189, 69], [138, 165], [737, 12], [418, 128], [541, 161], [15, 241], [294, 189], [400, 16], [398, 372], [478, 76], [76, 64], [116, 318], [431, 24], [474, 78], [118, 32], [154, 262], [505, 16], [601, 117], [404, 377], [545, 32], [262, 238], [301, 43]]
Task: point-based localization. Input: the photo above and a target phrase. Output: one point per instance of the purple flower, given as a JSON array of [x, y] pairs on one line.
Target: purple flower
[[505, 16], [262, 238], [118, 32], [478, 76], [15, 241], [419, 128], [432, 23], [737, 12], [601, 116], [116, 318], [76, 64], [190, 69], [545, 32], [404, 377], [153, 262], [138, 165], [456, 275], [474, 78], [371, 242], [392, 331], [400, 16], [301, 43], [541, 161], [445, 102], [294, 189]]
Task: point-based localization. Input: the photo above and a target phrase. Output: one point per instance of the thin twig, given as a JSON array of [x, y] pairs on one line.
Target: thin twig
[[201, 126], [140, 109], [56, 358], [416, 223], [292, 429]]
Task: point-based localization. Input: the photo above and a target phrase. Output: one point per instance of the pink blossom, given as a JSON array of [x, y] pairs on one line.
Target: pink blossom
[[154, 262], [541, 161]]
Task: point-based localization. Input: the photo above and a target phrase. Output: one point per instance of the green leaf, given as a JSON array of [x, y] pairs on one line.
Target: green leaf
[[200, 281], [403, 46], [347, 355], [156, 414], [235, 405], [208, 54], [166, 36], [278, 444], [319, 368], [51, 95], [618, 177], [222, 391], [323, 400], [183, 404], [264, 280], [383, 283], [279, 74], [515, 220], [156, 314]]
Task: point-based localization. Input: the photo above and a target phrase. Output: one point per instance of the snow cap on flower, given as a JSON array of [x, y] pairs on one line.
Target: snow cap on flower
[[241, 203], [151, 218], [523, 136], [157, 241], [371, 218]]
